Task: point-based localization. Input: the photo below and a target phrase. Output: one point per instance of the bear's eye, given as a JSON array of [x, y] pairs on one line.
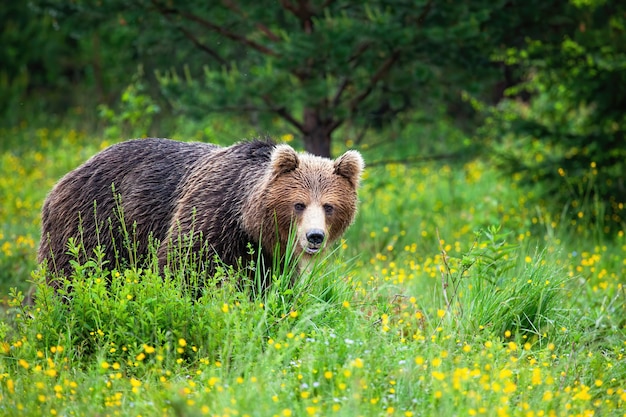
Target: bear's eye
[[328, 209], [299, 207]]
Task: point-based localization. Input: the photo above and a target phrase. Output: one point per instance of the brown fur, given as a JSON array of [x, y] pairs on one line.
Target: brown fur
[[231, 197]]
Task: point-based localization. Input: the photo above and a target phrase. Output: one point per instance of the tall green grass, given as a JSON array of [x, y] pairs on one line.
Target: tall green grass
[[454, 293]]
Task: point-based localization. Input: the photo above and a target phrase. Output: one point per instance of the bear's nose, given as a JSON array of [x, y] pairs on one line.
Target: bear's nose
[[315, 236]]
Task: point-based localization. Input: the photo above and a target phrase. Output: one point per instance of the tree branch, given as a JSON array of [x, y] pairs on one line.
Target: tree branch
[[230, 4], [334, 125], [359, 51], [342, 87], [290, 7], [197, 43], [268, 32], [347, 81], [380, 74], [302, 12], [213, 27], [425, 12], [282, 112], [252, 108], [382, 71]]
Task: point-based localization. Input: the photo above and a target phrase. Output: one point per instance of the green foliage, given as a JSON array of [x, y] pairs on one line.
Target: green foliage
[[53, 68], [499, 286], [136, 113], [143, 318], [320, 66], [30, 56], [414, 314], [116, 312], [568, 138], [32, 160], [139, 308], [315, 66]]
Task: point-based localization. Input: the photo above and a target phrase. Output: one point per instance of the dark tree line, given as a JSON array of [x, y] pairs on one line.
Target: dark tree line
[[535, 76], [315, 64]]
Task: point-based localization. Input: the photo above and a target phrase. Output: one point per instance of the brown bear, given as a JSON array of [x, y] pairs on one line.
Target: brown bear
[[220, 200]]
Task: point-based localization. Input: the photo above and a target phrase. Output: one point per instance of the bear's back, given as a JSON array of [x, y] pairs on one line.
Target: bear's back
[[146, 175]]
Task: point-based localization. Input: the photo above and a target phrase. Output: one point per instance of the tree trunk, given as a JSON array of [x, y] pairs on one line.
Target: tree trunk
[[317, 133]]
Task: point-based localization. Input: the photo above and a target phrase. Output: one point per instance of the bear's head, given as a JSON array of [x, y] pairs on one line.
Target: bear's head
[[315, 196]]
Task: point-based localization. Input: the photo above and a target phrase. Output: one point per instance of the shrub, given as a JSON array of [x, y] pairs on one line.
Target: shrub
[[497, 286]]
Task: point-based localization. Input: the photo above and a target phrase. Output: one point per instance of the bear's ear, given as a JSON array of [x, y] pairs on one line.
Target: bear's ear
[[350, 165], [284, 159]]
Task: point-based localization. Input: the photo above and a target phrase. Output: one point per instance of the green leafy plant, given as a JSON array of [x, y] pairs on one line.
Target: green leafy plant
[[413, 314], [135, 114], [494, 287], [561, 130]]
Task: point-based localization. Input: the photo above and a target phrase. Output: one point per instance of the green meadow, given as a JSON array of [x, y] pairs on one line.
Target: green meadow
[[455, 293]]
